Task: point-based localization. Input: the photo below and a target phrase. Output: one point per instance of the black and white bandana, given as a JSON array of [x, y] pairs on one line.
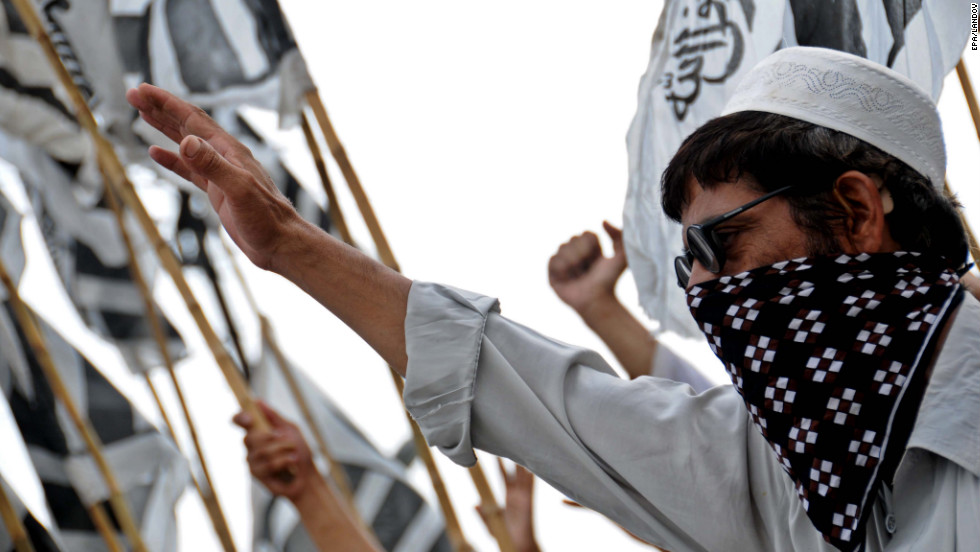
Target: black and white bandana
[[830, 356]]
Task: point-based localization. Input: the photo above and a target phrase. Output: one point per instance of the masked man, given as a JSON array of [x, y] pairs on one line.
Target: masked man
[[821, 263]]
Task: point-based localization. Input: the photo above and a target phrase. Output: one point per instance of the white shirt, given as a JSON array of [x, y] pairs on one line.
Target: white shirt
[[684, 471]]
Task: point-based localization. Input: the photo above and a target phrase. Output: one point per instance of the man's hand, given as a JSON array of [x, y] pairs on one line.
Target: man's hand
[[580, 274], [367, 296], [282, 450], [252, 210], [519, 508]]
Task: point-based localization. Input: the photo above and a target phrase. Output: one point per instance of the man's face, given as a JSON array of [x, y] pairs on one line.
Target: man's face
[[760, 236]]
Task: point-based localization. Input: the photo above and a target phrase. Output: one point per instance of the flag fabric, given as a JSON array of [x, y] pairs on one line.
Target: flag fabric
[[251, 56], [32, 105], [11, 244], [702, 48], [150, 470], [83, 33], [87, 249], [398, 516], [39, 536]]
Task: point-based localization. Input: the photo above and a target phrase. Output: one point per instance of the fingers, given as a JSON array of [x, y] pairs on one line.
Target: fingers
[[615, 234], [272, 467], [275, 420], [574, 257], [169, 114], [178, 119], [244, 420], [205, 162], [171, 161]]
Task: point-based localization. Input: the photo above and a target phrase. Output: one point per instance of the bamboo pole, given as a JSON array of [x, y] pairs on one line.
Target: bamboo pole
[[100, 519], [494, 514], [971, 97], [15, 526], [226, 314], [971, 102], [336, 469], [209, 499], [353, 182], [453, 529], [92, 442], [337, 472], [119, 181], [336, 215]]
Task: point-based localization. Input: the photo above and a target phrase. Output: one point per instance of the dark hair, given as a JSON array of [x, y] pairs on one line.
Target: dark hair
[[775, 150]]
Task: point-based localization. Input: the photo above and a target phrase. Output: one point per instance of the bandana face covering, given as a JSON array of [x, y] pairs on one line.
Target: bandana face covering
[[830, 356]]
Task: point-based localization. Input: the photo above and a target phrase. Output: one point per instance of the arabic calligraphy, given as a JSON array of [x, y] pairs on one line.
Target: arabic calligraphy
[[707, 50]]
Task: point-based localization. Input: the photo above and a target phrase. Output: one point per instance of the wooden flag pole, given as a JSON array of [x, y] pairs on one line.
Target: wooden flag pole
[[494, 514], [337, 472], [336, 215], [210, 500], [119, 181], [92, 442], [102, 523], [15, 527], [971, 102], [353, 182], [453, 529]]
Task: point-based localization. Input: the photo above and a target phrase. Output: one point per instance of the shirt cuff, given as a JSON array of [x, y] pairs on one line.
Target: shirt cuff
[[443, 334]]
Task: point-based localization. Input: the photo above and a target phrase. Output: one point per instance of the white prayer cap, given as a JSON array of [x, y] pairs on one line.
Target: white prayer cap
[[848, 93]]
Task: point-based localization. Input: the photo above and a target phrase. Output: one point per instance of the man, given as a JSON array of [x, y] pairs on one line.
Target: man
[[853, 419]]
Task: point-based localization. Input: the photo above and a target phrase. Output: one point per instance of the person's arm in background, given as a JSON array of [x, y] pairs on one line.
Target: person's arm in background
[[283, 450], [585, 280], [518, 507]]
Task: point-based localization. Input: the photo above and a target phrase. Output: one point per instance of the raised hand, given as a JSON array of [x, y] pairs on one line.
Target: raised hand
[[581, 275], [281, 450], [519, 507], [252, 210]]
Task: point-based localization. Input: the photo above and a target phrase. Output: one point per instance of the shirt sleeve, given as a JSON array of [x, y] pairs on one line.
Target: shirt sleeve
[[684, 471], [669, 365]]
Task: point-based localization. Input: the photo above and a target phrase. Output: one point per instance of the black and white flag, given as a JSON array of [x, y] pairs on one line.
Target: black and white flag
[[398, 516], [33, 106], [150, 470], [215, 52], [86, 246], [702, 48], [39, 536]]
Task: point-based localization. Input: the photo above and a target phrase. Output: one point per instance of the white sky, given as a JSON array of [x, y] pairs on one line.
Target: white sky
[[485, 136]]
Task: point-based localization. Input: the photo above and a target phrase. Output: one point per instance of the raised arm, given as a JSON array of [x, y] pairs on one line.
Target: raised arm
[[327, 520], [585, 280], [365, 295]]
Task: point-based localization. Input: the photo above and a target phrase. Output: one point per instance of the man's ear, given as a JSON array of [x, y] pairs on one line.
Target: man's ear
[[865, 230]]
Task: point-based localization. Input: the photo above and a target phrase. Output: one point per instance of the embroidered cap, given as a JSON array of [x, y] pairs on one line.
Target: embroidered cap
[[853, 95]]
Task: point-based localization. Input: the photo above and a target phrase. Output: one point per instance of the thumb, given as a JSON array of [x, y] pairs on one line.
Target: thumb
[[619, 252], [275, 420], [615, 234], [199, 156]]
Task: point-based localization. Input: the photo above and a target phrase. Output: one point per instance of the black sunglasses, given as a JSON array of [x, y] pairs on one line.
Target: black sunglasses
[[704, 245]]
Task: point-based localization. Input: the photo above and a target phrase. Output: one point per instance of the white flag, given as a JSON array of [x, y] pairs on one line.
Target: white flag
[[700, 51]]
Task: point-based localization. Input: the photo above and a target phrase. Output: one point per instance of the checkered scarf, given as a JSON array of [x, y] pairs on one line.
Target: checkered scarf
[[830, 356]]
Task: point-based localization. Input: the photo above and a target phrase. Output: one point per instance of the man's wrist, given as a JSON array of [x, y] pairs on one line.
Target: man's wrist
[[600, 309], [294, 244]]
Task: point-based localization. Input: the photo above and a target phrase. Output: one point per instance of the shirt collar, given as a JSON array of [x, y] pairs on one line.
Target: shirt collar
[[948, 422]]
